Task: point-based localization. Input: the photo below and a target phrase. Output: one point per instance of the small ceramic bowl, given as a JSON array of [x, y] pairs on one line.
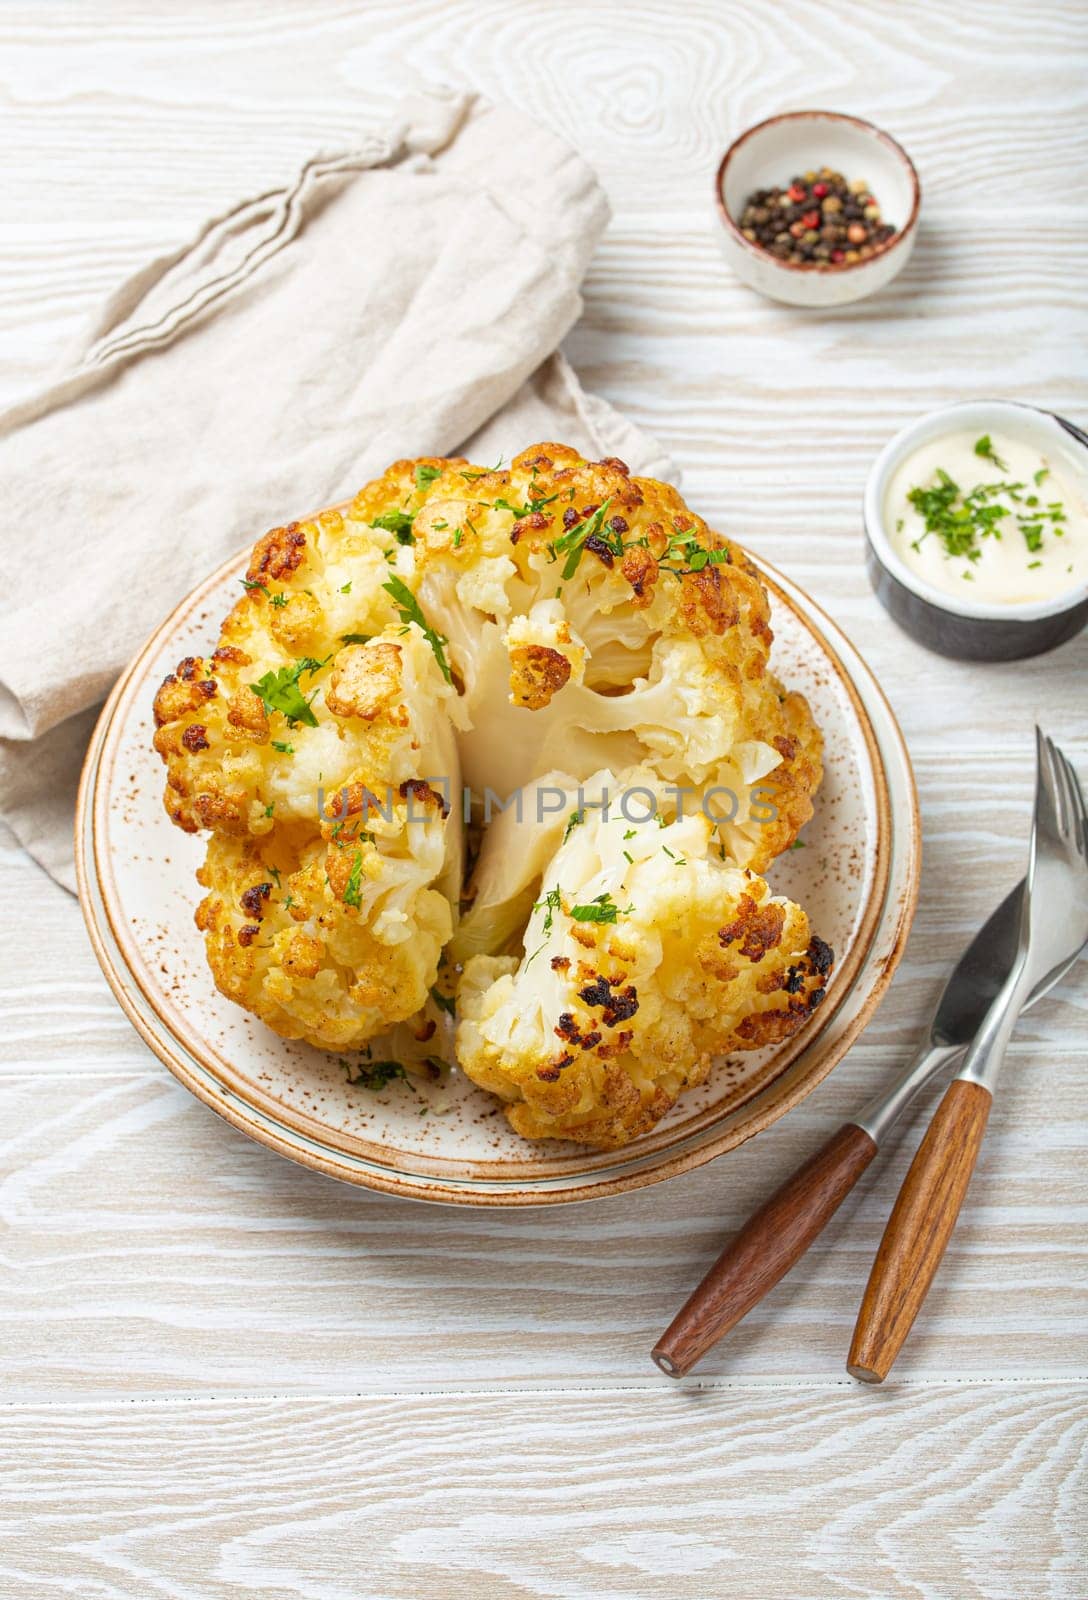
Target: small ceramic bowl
[[967, 629], [770, 154]]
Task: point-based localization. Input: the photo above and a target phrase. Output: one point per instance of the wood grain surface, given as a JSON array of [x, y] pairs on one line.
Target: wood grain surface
[[224, 1375]]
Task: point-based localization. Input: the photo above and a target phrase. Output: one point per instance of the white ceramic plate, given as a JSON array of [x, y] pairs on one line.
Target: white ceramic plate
[[857, 876]]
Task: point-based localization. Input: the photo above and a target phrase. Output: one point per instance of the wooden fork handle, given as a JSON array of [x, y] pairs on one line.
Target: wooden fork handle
[[765, 1249], [918, 1229]]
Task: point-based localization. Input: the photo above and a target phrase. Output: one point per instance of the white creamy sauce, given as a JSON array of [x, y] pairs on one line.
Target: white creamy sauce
[[1002, 546]]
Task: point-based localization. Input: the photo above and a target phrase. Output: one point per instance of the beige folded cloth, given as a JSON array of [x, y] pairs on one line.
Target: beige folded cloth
[[401, 299]]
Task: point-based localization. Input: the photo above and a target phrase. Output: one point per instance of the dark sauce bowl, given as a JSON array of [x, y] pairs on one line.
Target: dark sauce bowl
[[972, 630]]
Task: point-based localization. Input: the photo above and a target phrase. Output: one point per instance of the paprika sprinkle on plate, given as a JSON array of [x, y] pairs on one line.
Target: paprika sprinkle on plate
[[821, 218]]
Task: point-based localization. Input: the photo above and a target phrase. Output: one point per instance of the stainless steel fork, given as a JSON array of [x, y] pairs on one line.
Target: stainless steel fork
[[1054, 916]]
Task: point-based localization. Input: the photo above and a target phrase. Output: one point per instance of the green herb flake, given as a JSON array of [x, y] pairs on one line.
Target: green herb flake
[[426, 475], [279, 690], [346, 587], [458, 535], [352, 897], [445, 1002], [373, 1075], [575, 819], [602, 909], [284, 749], [530, 508], [1040, 476], [573, 542], [1033, 564], [398, 523], [356, 638], [551, 903], [409, 610], [984, 448]]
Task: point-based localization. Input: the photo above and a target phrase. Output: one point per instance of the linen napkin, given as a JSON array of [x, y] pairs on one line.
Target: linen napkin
[[404, 298]]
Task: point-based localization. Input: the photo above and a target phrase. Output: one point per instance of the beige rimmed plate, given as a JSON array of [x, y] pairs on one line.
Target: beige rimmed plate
[[857, 876]]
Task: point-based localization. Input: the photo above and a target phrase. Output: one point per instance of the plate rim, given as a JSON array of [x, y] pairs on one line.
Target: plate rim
[[300, 1138]]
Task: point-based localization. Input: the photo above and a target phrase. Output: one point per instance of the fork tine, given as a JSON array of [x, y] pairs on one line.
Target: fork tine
[[1049, 798], [1076, 801], [1067, 794]]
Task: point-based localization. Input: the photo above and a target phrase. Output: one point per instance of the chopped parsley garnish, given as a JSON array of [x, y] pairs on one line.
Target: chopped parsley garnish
[[458, 535], [373, 1075], [551, 903], [960, 521], [409, 609], [1043, 473], [284, 749], [352, 896], [269, 808], [602, 909], [573, 821], [345, 588], [398, 523], [445, 1002], [683, 553], [573, 542], [426, 475], [278, 600], [471, 477], [356, 638], [529, 508], [280, 691], [701, 558], [984, 448]]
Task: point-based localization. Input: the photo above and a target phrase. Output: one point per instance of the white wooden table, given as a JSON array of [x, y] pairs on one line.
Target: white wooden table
[[224, 1375]]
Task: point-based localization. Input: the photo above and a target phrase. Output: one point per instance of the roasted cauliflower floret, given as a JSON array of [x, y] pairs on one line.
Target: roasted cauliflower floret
[[333, 937], [645, 957], [454, 636]]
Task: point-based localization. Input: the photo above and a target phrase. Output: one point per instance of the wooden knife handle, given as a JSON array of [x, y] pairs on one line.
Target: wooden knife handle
[[918, 1229], [765, 1249]]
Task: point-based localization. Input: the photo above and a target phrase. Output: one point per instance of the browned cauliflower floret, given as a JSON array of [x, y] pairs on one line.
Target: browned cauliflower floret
[[330, 938], [539, 627], [644, 958]]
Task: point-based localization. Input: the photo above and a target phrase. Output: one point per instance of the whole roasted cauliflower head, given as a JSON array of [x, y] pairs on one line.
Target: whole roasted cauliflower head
[[557, 628]]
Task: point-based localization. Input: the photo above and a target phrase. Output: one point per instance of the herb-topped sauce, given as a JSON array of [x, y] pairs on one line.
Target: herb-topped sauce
[[989, 516]]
